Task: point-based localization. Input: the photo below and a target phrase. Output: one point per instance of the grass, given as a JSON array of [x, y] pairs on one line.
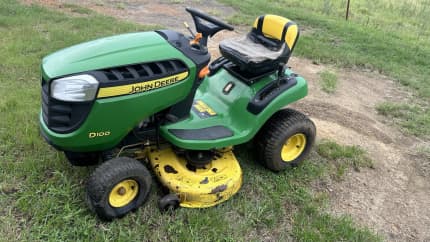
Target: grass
[[344, 157], [42, 196], [424, 151], [77, 9], [413, 119], [390, 37], [328, 81]]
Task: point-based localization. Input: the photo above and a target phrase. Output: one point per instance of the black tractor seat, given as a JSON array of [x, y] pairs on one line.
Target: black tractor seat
[[270, 43]]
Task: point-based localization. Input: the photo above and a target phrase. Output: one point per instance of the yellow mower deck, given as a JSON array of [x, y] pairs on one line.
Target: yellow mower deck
[[204, 187]]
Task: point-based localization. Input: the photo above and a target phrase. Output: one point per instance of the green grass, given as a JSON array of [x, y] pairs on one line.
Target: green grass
[[328, 81], [390, 37], [413, 119], [424, 151], [42, 196], [77, 9], [344, 157]]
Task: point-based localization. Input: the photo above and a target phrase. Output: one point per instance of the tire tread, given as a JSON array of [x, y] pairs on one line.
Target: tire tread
[[280, 124], [100, 183]]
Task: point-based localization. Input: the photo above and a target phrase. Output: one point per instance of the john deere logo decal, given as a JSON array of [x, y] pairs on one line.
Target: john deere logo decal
[[141, 86], [146, 86]]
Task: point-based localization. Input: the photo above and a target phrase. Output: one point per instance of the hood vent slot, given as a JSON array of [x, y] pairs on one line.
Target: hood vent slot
[[139, 72]]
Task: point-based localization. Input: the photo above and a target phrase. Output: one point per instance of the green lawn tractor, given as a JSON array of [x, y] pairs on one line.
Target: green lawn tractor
[[154, 100]]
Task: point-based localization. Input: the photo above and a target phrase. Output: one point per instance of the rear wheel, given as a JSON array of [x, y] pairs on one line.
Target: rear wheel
[[285, 140], [117, 187]]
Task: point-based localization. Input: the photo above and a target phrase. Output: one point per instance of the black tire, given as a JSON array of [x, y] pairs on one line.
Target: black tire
[[282, 126], [110, 175], [82, 158], [169, 202]]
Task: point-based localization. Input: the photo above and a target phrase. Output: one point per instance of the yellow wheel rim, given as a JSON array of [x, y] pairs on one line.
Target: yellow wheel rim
[[293, 147], [123, 193]]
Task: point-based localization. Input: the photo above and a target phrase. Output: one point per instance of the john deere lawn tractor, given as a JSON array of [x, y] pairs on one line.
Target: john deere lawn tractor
[[154, 100]]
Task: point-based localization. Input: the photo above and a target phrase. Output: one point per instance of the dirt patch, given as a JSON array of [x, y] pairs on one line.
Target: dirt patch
[[168, 14], [164, 13], [392, 199], [344, 117], [422, 159]]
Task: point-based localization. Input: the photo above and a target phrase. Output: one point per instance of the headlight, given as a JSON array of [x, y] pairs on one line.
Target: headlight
[[75, 88]]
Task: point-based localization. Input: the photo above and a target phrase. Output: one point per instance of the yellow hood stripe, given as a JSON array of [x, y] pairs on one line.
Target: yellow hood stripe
[[141, 86]]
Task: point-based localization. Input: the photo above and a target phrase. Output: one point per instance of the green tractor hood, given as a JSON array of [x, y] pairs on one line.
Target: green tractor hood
[[106, 52]]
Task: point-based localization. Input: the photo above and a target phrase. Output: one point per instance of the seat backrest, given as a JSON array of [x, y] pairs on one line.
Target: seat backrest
[[279, 28]]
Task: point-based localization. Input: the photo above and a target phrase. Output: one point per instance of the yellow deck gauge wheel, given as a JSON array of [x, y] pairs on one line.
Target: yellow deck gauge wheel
[[123, 193], [293, 147]]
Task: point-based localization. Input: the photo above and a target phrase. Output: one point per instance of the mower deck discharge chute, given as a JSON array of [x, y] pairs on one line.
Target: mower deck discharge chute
[[153, 100]]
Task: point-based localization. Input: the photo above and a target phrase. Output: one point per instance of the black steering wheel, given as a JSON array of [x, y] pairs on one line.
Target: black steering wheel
[[209, 27]]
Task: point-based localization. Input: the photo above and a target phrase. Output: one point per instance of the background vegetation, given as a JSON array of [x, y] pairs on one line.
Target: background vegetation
[[388, 37]]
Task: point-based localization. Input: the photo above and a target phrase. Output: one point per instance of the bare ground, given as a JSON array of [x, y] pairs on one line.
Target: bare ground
[[393, 199]]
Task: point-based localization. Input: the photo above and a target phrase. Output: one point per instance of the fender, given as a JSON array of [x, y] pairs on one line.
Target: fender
[[235, 116]]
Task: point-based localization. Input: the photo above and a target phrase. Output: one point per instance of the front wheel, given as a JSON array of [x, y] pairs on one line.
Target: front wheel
[[117, 187], [169, 202], [285, 139]]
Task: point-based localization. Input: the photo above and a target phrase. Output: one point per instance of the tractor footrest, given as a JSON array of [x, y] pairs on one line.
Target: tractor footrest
[[210, 133]]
